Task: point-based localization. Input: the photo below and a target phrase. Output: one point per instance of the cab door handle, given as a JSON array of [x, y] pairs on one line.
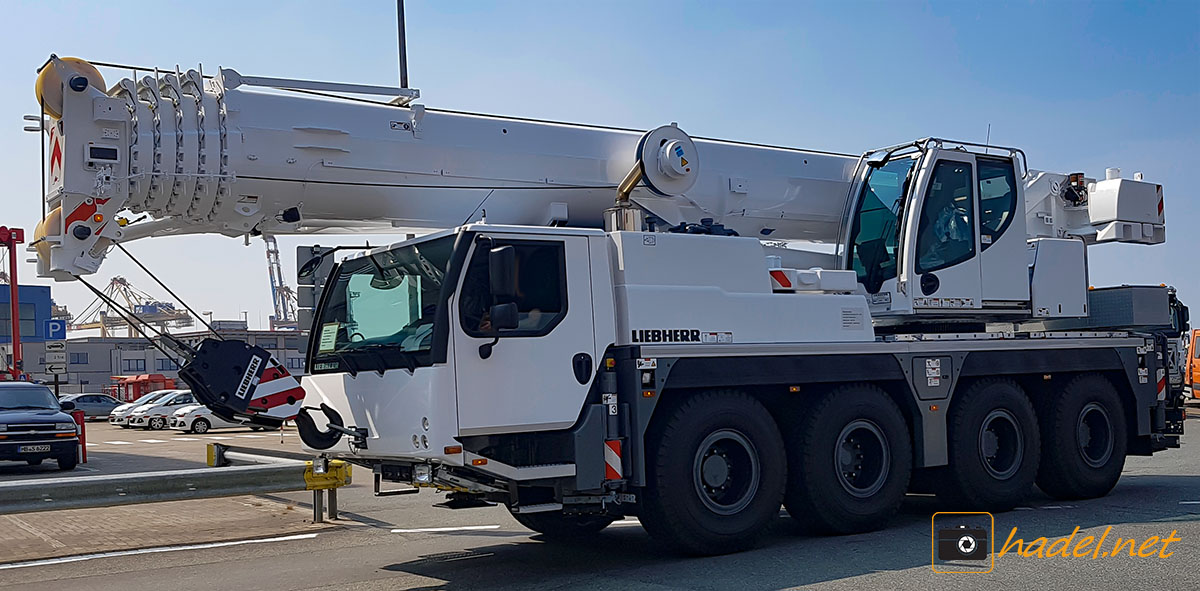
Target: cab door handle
[[582, 364]]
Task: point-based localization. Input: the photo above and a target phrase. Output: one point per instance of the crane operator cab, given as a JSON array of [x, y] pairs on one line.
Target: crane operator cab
[[941, 233]]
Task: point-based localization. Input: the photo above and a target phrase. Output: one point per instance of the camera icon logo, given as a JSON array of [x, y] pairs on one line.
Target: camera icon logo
[[962, 542]]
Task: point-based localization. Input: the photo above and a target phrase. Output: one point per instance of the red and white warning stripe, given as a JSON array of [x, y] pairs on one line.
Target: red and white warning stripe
[[278, 393], [612, 459], [1162, 384]]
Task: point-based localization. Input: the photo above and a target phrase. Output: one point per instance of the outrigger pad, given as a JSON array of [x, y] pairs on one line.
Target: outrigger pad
[[238, 381]]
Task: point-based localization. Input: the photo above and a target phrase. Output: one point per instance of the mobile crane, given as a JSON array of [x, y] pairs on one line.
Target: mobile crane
[[744, 326]]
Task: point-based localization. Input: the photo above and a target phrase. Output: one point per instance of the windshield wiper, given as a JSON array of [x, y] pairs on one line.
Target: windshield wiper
[[409, 359], [28, 406], [350, 367]]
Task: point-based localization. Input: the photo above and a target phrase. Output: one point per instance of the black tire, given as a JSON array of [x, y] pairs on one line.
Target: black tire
[[994, 447], [849, 461], [200, 426], [36, 462], [67, 462], [556, 526], [706, 438], [1084, 431]]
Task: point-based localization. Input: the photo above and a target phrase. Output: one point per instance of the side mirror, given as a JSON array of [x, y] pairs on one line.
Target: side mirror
[[67, 405], [878, 159], [503, 316], [310, 267], [502, 274]]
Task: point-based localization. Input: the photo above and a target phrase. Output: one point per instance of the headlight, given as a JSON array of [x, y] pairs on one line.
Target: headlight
[[64, 426]]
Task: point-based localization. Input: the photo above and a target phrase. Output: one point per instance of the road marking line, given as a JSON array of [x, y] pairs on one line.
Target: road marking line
[[152, 440], [119, 442], [184, 439], [427, 530], [93, 444], [1189, 502], [35, 531], [626, 522], [253, 436], [65, 559], [218, 437]]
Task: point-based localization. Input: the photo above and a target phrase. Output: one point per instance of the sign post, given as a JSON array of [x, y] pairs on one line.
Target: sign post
[[55, 331]]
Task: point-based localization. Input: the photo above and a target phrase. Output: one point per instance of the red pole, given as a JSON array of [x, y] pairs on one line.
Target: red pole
[[80, 419], [11, 237]]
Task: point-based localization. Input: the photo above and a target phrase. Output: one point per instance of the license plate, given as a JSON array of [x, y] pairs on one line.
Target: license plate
[[33, 449]]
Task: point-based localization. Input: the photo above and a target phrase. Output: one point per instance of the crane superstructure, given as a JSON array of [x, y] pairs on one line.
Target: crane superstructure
[[742, 325]]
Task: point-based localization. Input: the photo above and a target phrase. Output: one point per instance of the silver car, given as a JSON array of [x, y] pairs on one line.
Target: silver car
[[94, 406]]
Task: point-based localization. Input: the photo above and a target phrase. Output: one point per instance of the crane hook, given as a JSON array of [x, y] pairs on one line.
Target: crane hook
[[315, 437]]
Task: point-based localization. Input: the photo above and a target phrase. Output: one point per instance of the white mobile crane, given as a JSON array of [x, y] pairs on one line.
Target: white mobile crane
[[744, 325]]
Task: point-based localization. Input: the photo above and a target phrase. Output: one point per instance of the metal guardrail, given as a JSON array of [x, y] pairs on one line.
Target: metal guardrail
[[270, 475]]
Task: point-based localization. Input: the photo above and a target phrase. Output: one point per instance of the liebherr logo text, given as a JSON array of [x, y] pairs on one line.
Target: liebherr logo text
[[673, 335], [248, 377]]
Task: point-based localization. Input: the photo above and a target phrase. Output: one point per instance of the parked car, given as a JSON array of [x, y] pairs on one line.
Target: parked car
[[33, 426], [93, 405], [197, 418], [120, 415], [154, 416]]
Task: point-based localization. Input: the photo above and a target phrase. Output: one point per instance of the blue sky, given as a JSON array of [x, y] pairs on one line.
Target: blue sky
[[1078, 86]]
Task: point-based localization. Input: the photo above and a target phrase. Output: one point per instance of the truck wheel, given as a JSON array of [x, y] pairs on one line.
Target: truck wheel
[[554, 525], [849, 461], [67, 462], [1084, 431], [994, 446], [200, 426], [715, 474]]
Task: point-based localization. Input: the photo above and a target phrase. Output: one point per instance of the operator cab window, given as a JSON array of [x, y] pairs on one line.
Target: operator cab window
[[997, 199], [541, 288], [946, 231], [875, 234]]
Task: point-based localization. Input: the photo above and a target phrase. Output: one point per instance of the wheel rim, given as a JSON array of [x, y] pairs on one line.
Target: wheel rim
[[862, 458], [726, 472], [201, 427], [156, 424], [1094, 433], [1001, 445]]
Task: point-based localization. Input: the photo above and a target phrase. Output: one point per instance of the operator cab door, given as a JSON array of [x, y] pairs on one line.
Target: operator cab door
[[942, 262], [538, 374]]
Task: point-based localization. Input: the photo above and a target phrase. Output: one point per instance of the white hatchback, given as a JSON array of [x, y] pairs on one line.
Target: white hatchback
[[120, 415], [197, 418], [156, 414]]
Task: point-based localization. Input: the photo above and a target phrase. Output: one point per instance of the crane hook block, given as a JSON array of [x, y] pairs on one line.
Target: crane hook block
[[235, 379], [670, 164]]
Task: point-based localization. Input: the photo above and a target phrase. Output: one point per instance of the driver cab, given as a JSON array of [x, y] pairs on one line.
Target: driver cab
[[938, 229]]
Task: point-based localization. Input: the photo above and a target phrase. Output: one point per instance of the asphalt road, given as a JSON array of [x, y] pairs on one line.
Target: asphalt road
[[485, 549]]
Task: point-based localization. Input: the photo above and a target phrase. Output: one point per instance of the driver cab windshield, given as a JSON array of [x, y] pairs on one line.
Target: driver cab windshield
[[387, 299]]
